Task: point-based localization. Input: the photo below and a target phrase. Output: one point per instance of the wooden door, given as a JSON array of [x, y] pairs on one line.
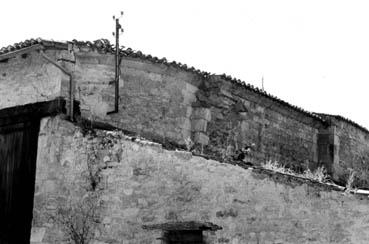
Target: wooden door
[[18, 152]]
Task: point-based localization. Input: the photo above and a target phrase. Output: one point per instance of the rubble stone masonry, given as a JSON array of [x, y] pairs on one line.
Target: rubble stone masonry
[[160, 100], [139, 183]]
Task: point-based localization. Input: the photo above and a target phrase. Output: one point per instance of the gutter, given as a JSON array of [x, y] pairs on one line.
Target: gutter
[[71, 95]]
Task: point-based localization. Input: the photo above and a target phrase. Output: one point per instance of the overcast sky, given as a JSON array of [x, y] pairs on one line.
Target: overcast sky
[[313, 53]]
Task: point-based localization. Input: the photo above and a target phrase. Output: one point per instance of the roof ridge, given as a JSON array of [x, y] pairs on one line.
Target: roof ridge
[[104, 45]]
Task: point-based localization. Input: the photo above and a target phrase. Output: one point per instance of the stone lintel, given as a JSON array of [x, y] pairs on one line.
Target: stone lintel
[[31, 111], [187, 225]]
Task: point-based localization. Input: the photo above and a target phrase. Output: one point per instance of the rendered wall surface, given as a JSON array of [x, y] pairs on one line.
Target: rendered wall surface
[[144, 184], [28, 79], [154, 99]]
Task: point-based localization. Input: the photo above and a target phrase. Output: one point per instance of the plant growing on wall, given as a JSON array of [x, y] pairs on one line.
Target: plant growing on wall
[[231, 149], [93, 171], [189, 144], [79, 217], [107, 142], [79, 220]]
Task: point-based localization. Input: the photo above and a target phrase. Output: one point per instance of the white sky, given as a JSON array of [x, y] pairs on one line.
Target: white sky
[[312, 53]]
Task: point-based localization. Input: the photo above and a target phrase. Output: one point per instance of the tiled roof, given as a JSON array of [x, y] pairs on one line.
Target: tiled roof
[[103, 45], [29, 43], [20, 45], [268, 95]]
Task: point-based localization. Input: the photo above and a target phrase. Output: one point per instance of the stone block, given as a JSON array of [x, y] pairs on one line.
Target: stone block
[[188, 97], [155, 77], [260, 109], [87, 59], [130, 212], [185, 135], [201, 138], [226, 93], [199, 125], [37, 234], [106, 220], [191, 88], [98, 242], [66, 55], [186, 124], [107, 60], [202, 113], [128, 191], [189, 112], [184, 155]]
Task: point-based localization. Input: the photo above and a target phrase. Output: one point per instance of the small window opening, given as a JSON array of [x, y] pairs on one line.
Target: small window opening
[[190, 232], [183, 237]]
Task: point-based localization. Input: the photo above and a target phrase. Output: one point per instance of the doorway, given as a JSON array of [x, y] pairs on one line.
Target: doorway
[[18, 152]]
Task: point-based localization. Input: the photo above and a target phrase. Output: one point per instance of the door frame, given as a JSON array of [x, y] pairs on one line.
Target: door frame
[[27, 118]]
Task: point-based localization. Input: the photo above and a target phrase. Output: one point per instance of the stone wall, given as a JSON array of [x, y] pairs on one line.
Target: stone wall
[[168, 102], [139, 183], [241, 117], [164, 101]]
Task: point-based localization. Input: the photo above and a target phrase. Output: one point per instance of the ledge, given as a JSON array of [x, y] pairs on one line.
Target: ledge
[[189, 225]]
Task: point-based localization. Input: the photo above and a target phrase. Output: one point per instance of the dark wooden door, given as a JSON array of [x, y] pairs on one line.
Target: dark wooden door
[[18, 152]]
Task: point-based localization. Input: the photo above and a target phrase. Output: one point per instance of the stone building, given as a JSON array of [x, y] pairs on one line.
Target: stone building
[[74, 171]]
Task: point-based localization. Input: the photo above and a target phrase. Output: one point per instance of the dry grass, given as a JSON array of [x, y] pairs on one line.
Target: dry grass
[[319, 174], [189, 144], [275, 166], [350, 181]]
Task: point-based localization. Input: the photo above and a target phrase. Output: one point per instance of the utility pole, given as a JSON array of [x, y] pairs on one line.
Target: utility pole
[[262, 82], [118, 29]]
